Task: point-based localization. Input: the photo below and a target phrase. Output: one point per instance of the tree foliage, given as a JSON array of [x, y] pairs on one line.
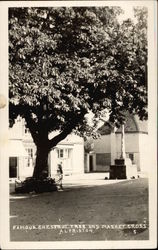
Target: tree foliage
[[65, 62]]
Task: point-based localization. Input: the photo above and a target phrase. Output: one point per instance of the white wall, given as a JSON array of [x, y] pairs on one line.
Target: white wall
[[78, 159], [102, 145], [145, 157], [72, 138], [131, 146], [23, 170], [131, 142], [136, 143], [75, 160], [53, 162], [16, 131], [109, 144]]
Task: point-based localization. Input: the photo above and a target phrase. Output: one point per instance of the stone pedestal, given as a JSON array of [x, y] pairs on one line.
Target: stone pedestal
[[118, 170], [123, 169]]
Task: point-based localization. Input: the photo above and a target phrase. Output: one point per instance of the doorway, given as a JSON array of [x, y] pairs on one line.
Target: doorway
[[13, 161], [91, 163]]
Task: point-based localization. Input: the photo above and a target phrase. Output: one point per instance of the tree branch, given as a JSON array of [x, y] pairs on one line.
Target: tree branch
[[55, 140], [32, 127]]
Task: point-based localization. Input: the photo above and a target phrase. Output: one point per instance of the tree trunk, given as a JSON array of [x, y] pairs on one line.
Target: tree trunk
[[41, 165], [44, 145]]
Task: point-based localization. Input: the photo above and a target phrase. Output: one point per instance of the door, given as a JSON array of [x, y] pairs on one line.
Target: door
[[13, 167], [91, 163]]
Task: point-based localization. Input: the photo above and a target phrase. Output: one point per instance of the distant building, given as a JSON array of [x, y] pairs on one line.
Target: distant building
[[22, 153], [108, 146]]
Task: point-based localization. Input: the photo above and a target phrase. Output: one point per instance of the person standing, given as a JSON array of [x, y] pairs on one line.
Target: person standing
[[60, 176]]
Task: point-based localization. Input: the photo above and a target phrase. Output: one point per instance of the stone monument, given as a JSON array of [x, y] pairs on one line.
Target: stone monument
[[123, 167]]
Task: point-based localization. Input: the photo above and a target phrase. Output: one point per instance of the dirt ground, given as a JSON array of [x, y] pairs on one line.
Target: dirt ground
[[87, 210]]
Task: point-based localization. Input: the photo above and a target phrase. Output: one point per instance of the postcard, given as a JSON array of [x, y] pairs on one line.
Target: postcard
[[78, 92]]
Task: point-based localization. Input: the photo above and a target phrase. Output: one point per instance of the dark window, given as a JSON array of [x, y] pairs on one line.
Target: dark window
[[60, 153], [30, 152], [63, 153], [131, 156], [103, 159], [30, 156], [27, 131]]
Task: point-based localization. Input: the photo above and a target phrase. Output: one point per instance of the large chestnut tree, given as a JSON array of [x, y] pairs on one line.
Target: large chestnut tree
[[66, 62]]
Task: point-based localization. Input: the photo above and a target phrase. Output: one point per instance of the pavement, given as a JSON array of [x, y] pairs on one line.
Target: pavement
[[88, 179], [87, 209], [81, 180]]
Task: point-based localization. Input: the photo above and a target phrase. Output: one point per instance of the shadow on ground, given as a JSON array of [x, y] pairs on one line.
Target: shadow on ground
[[88, 212]]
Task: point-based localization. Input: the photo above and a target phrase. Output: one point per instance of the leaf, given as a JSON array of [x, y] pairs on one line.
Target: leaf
[[75, 60]]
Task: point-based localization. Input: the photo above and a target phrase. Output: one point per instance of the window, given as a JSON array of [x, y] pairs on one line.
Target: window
[[30, 156], [27, 131], [130, 156], [60, 153], [63, 153], [30, 152], [103, 159]]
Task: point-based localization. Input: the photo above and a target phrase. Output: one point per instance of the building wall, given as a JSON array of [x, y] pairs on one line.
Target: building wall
[[73, 163], [78, 159], [21, 170], [53, 161], [66, 161], [102, 144], [131, 147], [18, 152], [108, 147], [16, 131], [144, 153], [70, 152], [24, 169], [131, 142], [102, 156]]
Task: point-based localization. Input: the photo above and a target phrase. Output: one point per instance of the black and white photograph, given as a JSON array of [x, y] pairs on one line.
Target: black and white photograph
[[78, 158]]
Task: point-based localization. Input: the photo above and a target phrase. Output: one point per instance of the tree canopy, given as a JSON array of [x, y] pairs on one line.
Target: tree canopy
[[65, 62]]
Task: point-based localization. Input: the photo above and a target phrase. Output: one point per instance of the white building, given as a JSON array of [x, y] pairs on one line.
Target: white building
[[70, 152], [108, 147], [22, 153]]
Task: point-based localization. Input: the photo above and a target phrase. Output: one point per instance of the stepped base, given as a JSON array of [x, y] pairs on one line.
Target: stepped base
[[123, 169], [118, 172]]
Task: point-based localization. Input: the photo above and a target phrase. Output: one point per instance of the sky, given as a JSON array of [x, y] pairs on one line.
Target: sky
[[128, 13]]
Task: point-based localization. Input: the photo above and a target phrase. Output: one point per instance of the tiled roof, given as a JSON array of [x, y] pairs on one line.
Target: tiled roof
[[133, 124], [104, 129]]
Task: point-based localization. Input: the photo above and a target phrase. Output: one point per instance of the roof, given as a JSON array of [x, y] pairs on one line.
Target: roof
[[133, 125], [104, 129]]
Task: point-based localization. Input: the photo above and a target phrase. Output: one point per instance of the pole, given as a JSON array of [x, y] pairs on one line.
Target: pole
[[123, 154], [113, 146]]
